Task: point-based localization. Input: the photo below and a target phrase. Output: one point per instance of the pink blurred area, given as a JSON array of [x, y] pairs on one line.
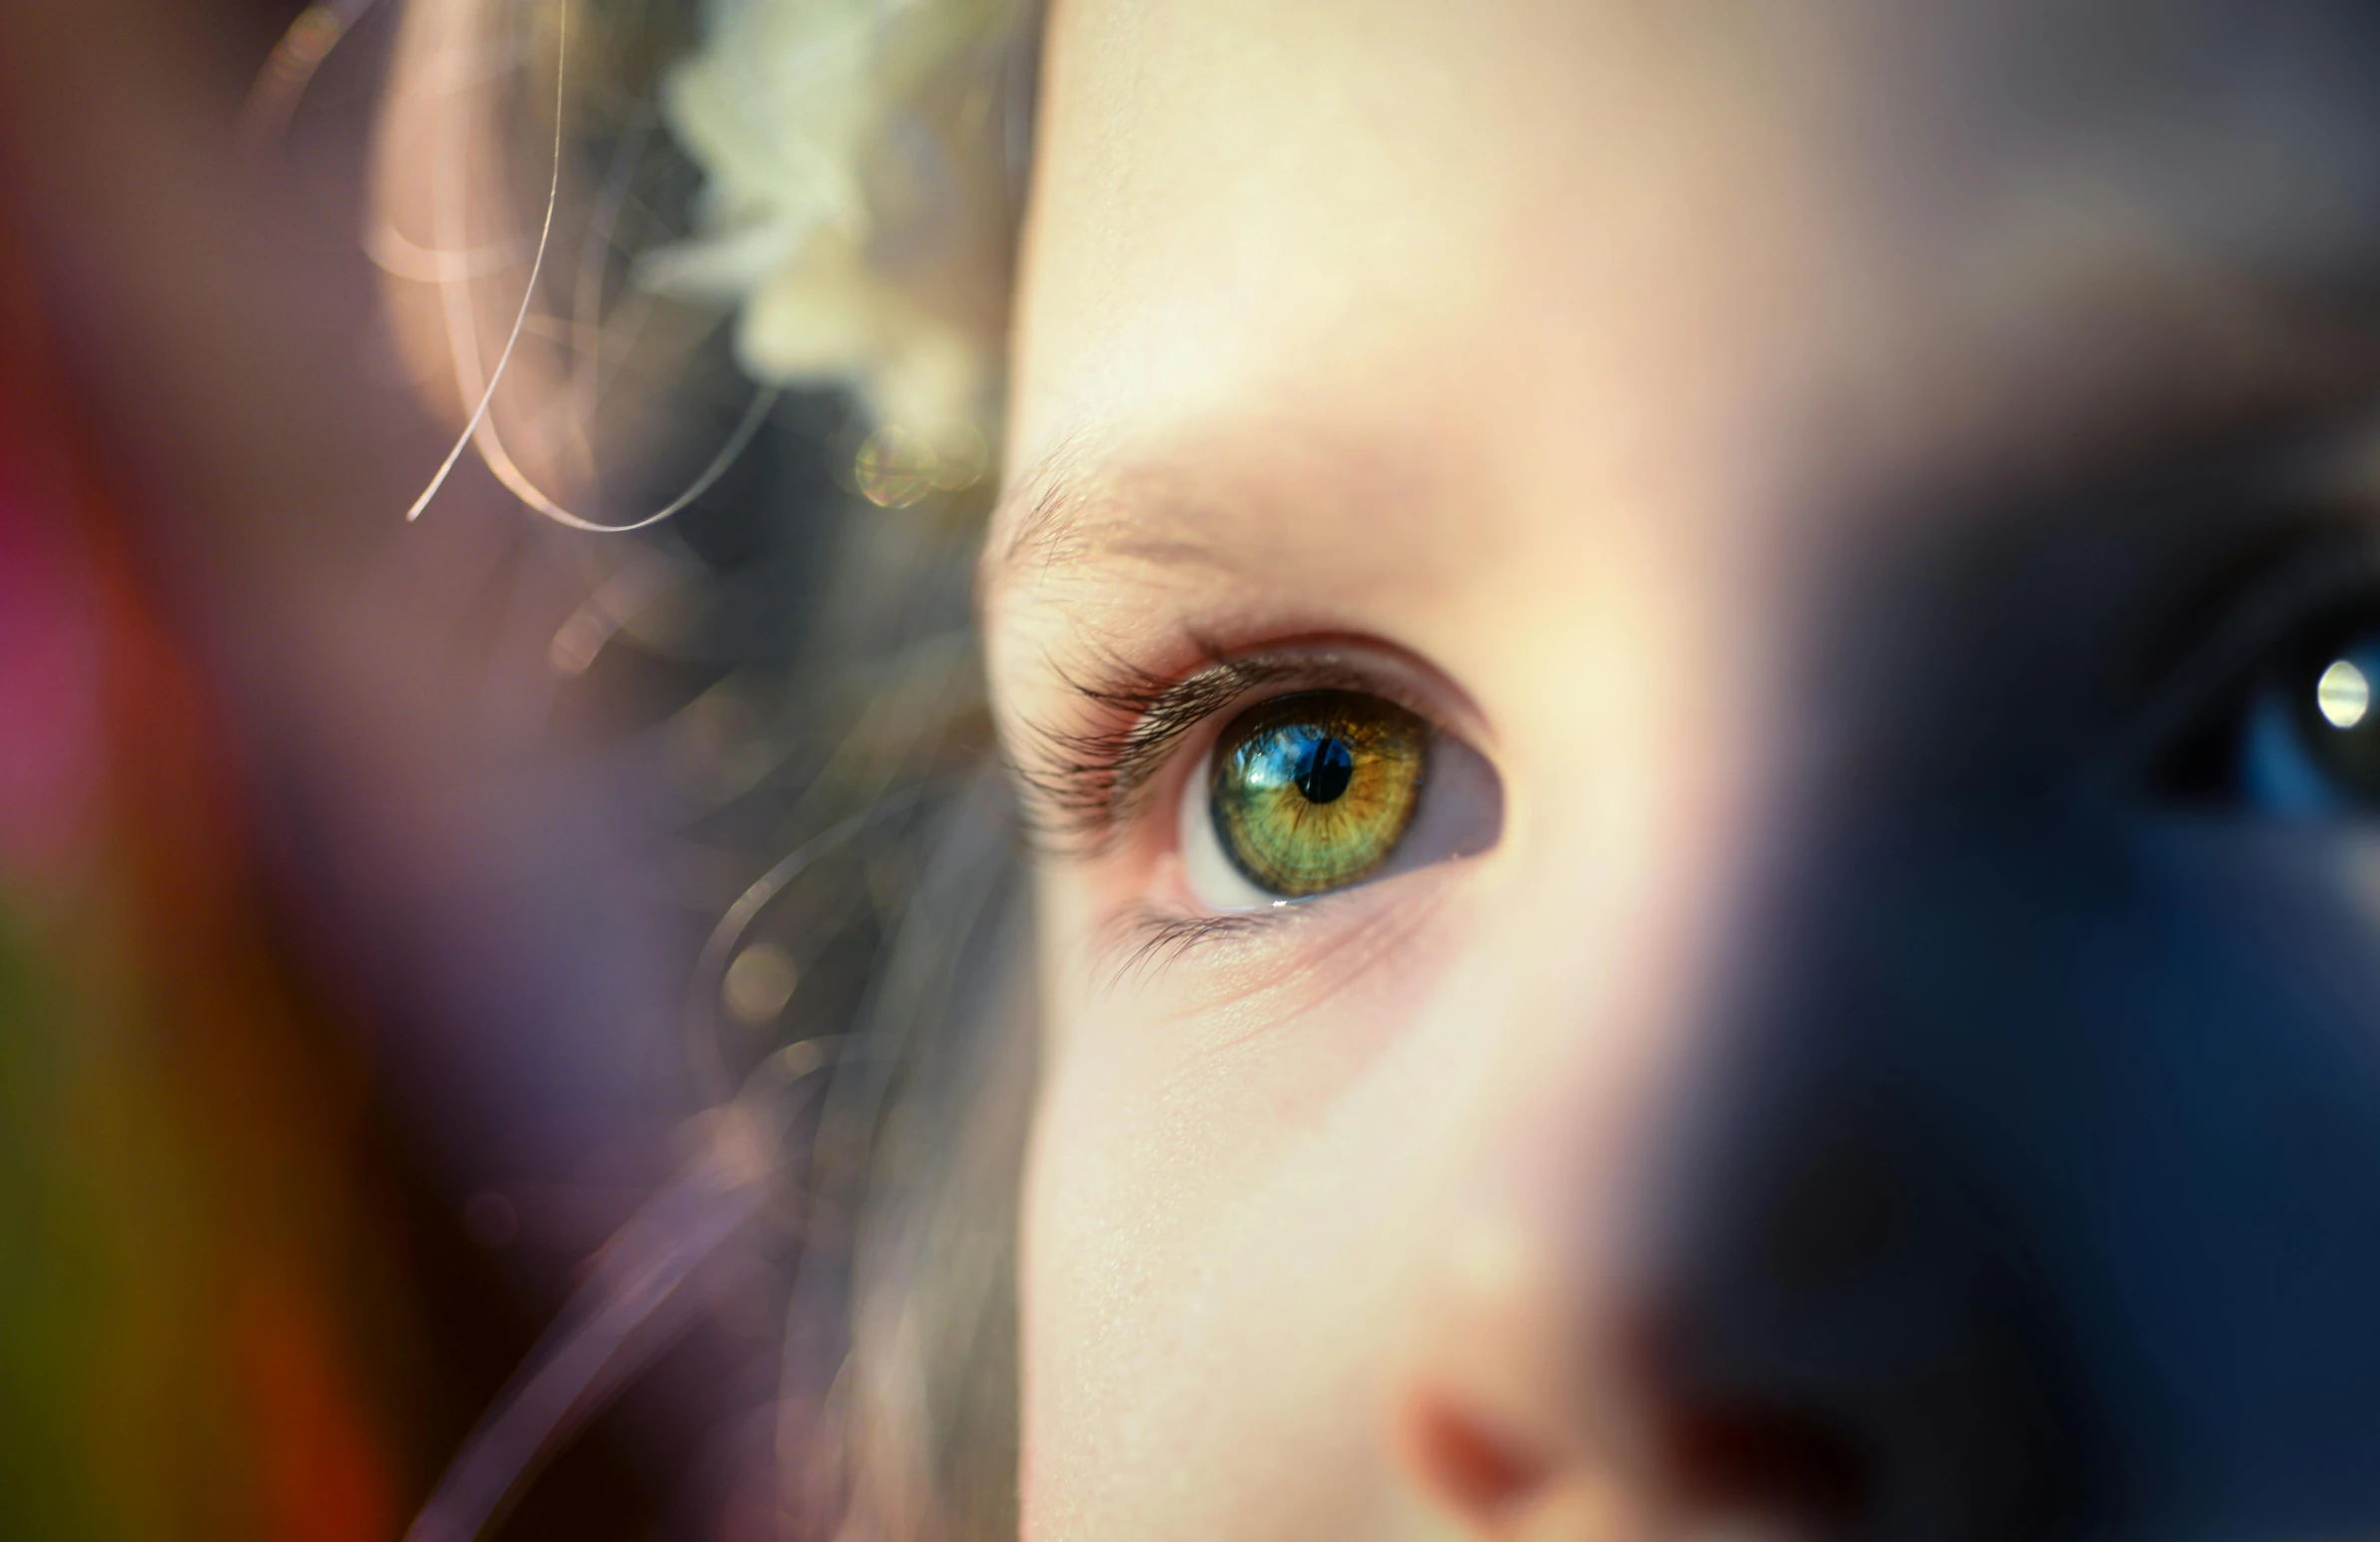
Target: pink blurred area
[[309, 954], [49, 667]]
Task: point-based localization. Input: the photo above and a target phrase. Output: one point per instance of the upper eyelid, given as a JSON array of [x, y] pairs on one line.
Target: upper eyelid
[[1082, 791], [1077, 778]]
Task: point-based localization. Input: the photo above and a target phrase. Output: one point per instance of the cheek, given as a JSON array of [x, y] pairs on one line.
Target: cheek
[[1223, 1207]]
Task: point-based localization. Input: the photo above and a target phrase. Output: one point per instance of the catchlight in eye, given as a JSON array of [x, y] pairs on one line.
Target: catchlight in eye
[[1311, 792], [2343, 694], [2310, 741], [1316, 792]]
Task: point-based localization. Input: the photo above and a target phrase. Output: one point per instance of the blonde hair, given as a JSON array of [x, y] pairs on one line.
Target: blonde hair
[[857, 180]]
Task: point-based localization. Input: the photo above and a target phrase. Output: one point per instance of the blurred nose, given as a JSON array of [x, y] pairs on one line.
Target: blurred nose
[[1845, 1318], [2021, 1181], [1828, 1316]]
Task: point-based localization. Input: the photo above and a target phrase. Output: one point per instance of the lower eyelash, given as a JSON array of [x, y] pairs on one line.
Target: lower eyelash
[[1145, 938]]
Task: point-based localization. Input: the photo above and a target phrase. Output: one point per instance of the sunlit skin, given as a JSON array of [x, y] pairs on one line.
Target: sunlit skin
[[1683, 406]]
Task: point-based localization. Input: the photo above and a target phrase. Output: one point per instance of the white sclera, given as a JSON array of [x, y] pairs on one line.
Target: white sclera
[[2343, 695], [1214, 878]]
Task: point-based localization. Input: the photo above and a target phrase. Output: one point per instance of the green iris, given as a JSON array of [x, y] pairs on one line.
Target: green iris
[[1312, 793]]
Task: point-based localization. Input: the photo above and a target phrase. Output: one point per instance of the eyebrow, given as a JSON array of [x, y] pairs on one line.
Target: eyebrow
[[1215, 502], [1046, 518], [1067, 511], [1221, 497]]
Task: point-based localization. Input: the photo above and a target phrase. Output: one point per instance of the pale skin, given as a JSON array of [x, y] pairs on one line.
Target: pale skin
[[1561, 369]]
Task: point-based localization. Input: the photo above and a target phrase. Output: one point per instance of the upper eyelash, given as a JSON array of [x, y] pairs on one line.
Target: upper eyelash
[[1079, 782]]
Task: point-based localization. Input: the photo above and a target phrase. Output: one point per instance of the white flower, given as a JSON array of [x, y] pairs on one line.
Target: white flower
[[858, 201]]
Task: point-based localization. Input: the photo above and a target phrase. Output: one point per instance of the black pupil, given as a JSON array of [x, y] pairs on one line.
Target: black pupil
[[1325, 770]]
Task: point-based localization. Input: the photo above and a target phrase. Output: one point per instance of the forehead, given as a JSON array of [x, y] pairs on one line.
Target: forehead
[[1641, 228]]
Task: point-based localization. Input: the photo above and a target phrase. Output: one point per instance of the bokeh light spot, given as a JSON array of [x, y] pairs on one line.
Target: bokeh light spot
[[759, 983], [895, 468]]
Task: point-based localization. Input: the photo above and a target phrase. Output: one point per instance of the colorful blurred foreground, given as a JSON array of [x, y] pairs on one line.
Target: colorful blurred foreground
[[201, 1333], [324, 1063], [354, 874]]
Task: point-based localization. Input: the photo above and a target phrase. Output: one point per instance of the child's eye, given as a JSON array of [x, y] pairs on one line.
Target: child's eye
[[1319, 791], [2274, 708], [1312, 793], [2309, 740]]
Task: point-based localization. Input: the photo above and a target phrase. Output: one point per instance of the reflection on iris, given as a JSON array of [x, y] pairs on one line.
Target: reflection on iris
[[1313, 791]]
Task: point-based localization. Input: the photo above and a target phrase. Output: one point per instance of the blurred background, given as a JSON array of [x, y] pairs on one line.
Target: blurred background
[[379, 931]]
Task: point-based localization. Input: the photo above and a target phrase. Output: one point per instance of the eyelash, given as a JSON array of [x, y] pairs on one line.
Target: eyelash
[[1146, 938], [1082, 785]]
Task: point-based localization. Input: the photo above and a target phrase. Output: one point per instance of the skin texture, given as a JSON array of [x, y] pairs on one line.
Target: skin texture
[[1793, 446]]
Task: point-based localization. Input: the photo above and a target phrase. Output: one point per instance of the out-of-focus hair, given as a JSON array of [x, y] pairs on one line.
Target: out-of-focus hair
[[765, 253]]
